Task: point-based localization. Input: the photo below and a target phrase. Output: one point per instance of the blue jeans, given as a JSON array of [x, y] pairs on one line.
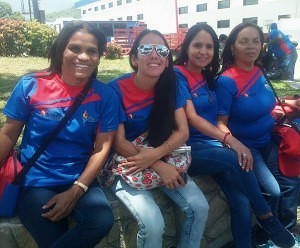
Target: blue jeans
[[287, 65], [263, 157], [92, 215], [239, 186], [241, 214], [286, 206], [150, 221]]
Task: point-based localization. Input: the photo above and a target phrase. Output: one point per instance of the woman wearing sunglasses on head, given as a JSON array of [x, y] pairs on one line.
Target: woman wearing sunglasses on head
[[196, 68], [150, 102]]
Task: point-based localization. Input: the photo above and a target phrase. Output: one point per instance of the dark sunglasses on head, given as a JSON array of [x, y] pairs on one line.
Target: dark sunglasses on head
[[146, 49]]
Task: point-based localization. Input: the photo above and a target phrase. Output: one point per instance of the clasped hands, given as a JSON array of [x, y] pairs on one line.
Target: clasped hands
[[147, 157]]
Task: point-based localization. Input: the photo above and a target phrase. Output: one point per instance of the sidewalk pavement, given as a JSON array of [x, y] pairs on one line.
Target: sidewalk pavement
[[294, 84]]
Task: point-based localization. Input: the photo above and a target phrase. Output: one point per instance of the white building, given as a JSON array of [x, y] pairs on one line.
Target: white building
[[222, 15]]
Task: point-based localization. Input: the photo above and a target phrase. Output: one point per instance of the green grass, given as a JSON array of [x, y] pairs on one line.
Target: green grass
[[11, 69]]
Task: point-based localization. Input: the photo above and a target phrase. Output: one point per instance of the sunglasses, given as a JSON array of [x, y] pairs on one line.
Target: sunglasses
[[146, 49]]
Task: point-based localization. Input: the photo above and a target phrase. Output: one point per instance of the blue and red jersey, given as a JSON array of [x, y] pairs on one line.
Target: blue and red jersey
[[41, 102], [248, 102], [193, 86], [137, 105], [285, 46]]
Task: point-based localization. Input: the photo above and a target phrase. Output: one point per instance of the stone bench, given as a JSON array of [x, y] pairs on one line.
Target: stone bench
[[123, 234]]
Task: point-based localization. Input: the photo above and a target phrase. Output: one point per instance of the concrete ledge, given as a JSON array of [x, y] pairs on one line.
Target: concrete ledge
[[123, 234]]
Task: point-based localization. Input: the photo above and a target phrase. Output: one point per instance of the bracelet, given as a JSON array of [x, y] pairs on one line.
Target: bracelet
[[82, 186], [225, 136], [169, 145]]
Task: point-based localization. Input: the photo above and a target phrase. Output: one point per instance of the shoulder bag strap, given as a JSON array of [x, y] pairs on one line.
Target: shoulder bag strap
[[282, 119], [79, 99]]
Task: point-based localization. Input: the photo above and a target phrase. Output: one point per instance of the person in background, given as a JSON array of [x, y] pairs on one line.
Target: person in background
[[62, 183], [284, 51], [196, 68], [245, 104], [222, 41], [150, 103]]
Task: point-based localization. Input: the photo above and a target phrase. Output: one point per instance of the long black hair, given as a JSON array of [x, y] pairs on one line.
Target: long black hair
[[56, 52], [227, 56], [162, 118], [210, 71]]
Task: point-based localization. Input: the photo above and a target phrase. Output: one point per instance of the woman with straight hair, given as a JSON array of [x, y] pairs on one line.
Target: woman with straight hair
[[151, 104], [62, 183], [245, 104], [214, 151]]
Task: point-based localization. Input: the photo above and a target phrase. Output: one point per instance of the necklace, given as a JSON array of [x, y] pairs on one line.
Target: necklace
[[210, 93]]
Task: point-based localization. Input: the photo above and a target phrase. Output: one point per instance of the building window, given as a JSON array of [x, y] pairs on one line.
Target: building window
[[90, 9], [140, 17], [96, 8], [129, 18], [223, 24], [223, 4], [120, 18], [128, 1], [119, 2], [184, 25], [250, 2], [84, 12], [250, 20], [103, 6], [110, 5], [201, 22], [183, 10], [201, 7], [284, 17]]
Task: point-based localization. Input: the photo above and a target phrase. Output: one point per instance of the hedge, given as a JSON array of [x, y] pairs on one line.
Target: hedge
[[24, 38]]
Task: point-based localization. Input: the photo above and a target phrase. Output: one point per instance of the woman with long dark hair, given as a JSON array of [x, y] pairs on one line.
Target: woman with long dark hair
[[214, 151], [245, 104], [62, 183], [151, 104]]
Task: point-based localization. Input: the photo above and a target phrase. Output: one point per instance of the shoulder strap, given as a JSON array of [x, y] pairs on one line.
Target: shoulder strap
[[275, 94], [79, 99]]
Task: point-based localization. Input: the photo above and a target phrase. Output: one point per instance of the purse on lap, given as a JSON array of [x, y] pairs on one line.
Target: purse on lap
[[148, 178]]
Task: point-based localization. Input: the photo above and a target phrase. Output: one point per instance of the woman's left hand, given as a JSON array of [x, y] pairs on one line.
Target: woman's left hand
[[244, 154], [61, 205], [143, 160]]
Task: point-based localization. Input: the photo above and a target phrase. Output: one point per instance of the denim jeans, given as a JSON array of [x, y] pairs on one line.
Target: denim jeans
[[287, 65], [239, 186], [241, 214], [268, 184], [150, 221], [285, 203], [92, 215]]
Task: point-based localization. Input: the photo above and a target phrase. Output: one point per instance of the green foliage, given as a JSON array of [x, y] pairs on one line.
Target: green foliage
[[113, 51], [73, 13], [21, 38], [5, 10], [13, 40], [40, 38]]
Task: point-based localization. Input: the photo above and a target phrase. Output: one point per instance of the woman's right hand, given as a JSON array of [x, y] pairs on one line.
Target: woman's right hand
[[244, 154], [169, 174]]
